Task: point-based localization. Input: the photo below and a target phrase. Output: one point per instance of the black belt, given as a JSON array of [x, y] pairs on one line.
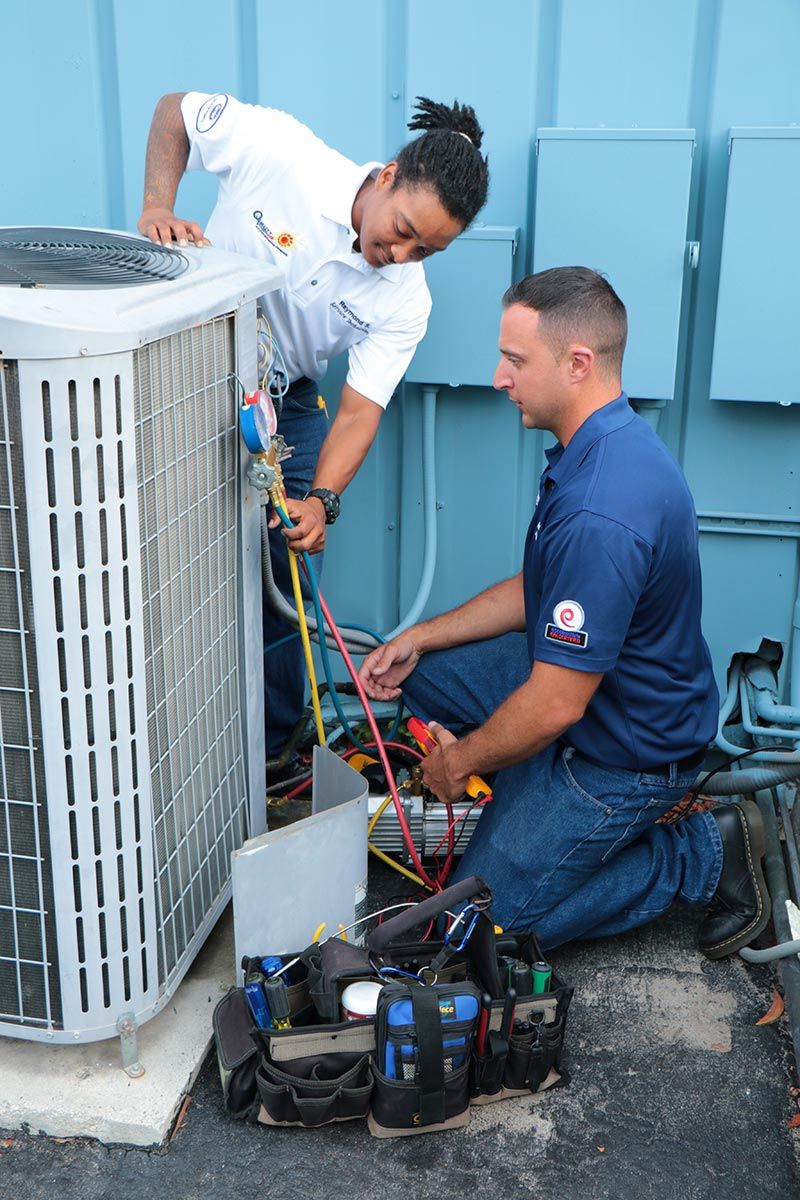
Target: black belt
[[665, 769], [683, 764], [298, 385]]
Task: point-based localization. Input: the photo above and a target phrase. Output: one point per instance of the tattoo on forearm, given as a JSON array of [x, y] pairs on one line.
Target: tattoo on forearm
[[167, 155]]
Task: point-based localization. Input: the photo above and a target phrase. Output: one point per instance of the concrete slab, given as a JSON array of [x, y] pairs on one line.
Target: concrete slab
[[82, 1091]]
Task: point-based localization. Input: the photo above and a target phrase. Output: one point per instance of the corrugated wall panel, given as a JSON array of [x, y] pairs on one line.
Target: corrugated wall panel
[[84, 79]]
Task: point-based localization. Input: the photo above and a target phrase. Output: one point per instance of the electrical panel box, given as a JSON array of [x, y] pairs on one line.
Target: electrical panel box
[[467, 285], [757, 304], [617, 200]]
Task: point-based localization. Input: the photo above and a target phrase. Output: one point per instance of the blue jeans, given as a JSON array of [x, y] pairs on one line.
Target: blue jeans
[[570, 849], [304, 427]]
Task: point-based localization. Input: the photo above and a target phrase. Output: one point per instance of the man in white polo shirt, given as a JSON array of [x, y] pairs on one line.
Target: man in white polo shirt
[[351, 239]]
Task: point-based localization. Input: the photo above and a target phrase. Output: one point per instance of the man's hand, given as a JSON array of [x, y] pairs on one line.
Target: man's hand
[[162, 226], [384, 669], [440, 770], [308, 517]]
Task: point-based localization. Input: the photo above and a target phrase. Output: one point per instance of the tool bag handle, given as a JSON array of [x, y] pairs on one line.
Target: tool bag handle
[[393, 929]]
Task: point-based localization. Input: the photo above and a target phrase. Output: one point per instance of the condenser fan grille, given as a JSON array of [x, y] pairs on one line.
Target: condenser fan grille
[[83, 258]]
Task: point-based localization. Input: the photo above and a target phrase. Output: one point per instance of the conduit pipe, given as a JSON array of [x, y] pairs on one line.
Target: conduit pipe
[[361, 643], [429, 395], [735, 783], [762, 681]]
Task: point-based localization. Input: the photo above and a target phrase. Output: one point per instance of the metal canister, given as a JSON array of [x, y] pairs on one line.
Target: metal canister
[[542, 975]]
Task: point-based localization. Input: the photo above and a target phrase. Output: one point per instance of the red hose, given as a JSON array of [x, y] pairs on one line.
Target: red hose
[[435, 885]]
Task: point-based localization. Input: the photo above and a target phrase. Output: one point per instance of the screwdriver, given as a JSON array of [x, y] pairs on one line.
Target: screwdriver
[[475, 787], [278, 1000]]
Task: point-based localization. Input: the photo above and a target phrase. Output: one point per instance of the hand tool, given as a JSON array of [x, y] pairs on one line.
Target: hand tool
[[475, 787]]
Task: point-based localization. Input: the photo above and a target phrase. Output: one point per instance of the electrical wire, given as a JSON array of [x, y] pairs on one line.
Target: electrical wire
[[692, 794]]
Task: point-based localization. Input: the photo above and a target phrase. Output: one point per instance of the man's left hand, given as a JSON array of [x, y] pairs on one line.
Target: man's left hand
[[440, 770], [308, 517]]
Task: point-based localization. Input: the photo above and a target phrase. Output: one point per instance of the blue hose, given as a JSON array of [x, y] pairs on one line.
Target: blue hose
[[323, 649]]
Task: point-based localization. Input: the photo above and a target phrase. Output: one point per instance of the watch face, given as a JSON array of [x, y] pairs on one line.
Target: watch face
[[330, 502]]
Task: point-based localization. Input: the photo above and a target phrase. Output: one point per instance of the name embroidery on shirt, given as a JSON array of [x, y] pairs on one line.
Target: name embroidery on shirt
[[267, 233], [566, 637], [344, 311]]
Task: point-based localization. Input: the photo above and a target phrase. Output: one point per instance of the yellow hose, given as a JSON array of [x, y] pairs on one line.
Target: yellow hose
[[301, 616], [278, 497], [385, 857]]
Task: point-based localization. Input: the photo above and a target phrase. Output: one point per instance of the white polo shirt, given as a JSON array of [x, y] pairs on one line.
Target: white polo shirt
[[286, 197]]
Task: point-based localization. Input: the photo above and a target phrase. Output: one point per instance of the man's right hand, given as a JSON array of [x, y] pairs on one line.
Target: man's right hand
[[384, 669], [164, 228]]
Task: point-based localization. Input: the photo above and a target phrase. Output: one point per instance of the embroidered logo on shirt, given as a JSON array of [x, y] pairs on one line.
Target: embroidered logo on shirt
[[344, 311], [567, 625], [267, 233], [210, 113], [287, 240]]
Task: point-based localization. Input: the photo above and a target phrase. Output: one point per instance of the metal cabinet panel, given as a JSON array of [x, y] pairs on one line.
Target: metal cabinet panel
[[467, 284], [757, 307], [617, 200]]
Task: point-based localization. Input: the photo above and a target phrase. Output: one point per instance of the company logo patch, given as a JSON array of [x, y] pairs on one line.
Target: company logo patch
[[568, 614], [267, 233], [210, 113], [566, 627], [567, 637], [447, 1009]]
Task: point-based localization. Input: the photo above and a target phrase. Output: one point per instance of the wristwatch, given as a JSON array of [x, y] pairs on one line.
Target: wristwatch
[[330, 502]]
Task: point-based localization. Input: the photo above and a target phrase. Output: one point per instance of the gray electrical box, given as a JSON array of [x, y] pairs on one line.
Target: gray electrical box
[[467, 285]]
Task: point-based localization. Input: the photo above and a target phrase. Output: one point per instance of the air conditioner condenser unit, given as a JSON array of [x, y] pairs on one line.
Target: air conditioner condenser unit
[[131, 669]]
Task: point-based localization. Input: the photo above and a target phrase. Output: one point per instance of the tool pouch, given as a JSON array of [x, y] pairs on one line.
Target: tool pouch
[[423, 1042], [523, 1062]]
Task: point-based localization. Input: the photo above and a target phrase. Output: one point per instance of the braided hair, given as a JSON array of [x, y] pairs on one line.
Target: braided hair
[[446, 158]]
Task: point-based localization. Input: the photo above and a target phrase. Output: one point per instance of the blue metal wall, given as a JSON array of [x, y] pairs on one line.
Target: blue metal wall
[[660, 87]]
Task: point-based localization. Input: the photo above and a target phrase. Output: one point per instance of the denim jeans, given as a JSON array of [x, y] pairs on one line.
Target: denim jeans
[[304, 427], [569, 848]]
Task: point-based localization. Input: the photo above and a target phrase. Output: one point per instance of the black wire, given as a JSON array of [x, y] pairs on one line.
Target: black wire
[[698, 787], [695, 791]]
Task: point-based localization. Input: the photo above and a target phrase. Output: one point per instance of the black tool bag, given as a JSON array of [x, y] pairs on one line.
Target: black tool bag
[[417, 1076]]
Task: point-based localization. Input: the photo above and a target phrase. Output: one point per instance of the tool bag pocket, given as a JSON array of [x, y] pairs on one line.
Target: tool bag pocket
[[315, 1075], [236, 1054], [316, 1091], [528, 1059], [423, 1043], [534, 1058]]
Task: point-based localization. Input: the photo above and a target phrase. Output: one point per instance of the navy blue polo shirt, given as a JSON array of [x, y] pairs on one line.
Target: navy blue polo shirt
[[612, 584]]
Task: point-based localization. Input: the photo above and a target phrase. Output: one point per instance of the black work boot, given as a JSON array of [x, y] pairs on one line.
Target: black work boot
[[740, 907]]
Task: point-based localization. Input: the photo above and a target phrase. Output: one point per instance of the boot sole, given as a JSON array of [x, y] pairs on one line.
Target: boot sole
[[753, 829]]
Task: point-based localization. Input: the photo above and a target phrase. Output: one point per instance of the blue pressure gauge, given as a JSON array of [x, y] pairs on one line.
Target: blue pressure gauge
[[257, 421]]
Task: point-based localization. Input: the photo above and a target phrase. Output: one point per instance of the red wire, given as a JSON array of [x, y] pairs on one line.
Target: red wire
[[435, 885]]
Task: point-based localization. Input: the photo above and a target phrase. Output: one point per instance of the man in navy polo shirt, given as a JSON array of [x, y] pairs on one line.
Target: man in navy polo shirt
[[584, 681]]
